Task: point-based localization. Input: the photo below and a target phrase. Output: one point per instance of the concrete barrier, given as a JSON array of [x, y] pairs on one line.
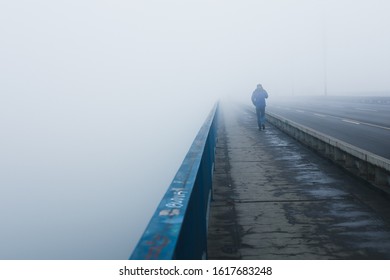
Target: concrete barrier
[[366, 165]]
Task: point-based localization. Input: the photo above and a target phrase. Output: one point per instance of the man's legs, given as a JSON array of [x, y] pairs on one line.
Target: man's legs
[[260, 112], [262, 117]]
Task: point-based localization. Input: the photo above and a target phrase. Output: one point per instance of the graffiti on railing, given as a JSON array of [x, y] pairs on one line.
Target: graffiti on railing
[[155, 246], [176, 201]]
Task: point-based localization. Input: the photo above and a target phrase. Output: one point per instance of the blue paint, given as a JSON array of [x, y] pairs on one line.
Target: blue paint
[[178, 228]]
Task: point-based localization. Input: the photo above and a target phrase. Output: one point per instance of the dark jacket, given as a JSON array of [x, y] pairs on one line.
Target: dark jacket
[[258, 97]]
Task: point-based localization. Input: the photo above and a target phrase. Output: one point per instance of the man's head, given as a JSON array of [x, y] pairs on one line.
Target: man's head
[[259, 86]]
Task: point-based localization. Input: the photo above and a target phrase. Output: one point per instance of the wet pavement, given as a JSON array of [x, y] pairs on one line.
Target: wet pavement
[[275, 199]]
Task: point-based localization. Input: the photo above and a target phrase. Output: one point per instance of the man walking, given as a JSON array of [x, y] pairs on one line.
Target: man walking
[[258, 99]]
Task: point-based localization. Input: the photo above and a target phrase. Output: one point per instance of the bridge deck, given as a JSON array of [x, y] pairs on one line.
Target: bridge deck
[[275, 199]]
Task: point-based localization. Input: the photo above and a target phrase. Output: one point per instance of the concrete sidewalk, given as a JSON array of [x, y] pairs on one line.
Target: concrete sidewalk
[[275, 199]]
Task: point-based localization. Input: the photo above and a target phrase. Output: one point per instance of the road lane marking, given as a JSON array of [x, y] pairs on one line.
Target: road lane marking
[[377, 126], [364, 123], [350, 121], [344, 120], [363, 109]]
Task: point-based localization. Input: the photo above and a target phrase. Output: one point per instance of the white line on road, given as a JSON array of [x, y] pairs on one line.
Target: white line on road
[[364, 123], [377, 126], [344, 120], [350, 121], [363, 109]]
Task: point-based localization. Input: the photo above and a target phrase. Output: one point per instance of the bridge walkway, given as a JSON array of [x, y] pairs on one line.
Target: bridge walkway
[[275, 199]]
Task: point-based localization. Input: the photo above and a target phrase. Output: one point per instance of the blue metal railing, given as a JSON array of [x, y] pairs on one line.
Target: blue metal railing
[[178, 228]]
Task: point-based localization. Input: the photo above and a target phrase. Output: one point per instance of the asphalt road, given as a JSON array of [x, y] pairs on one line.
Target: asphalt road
[[364, 125]]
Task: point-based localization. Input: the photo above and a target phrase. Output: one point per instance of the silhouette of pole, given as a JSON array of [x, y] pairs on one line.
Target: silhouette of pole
[[325, 67], [325, 54]]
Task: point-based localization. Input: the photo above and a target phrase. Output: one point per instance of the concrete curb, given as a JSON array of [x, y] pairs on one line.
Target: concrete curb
[[366, 165]]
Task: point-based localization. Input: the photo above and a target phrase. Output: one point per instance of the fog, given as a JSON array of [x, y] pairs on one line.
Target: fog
[[100, 100]]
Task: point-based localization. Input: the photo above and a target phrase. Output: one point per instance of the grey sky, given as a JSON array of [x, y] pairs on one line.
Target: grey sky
[[212, 44], [100, 100]]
